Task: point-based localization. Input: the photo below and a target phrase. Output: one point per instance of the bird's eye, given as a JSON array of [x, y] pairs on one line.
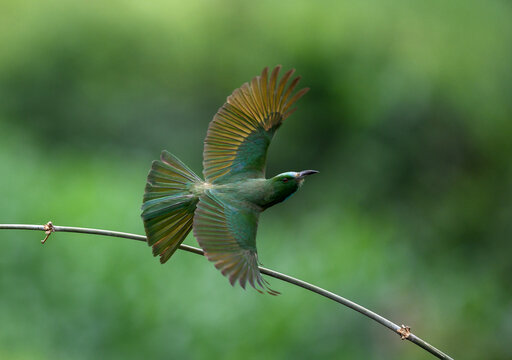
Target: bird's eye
[[285, 180]]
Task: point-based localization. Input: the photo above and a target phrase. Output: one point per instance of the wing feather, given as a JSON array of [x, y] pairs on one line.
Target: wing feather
[[226, 231], [245, 125]]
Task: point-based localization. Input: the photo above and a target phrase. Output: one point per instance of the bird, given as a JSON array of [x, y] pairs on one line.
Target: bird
[[224, 208]]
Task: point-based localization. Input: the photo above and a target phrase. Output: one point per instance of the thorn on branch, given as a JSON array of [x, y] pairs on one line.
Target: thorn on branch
[[404, 332], [48, 227]]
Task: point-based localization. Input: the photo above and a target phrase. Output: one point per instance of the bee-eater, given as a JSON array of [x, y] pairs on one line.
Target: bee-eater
[[224, 209]]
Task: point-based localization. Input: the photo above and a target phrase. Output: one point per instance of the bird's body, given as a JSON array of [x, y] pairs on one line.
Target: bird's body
[[223, 210], [258, 193]]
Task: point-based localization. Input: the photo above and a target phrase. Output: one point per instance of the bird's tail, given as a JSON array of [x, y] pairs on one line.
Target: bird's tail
[[169, 204]]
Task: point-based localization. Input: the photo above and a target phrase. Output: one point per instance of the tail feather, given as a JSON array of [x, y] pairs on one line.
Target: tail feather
[[168, 206], [168, 251]]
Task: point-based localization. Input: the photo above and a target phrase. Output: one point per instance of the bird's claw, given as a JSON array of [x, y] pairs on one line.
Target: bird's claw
[[48, 229]]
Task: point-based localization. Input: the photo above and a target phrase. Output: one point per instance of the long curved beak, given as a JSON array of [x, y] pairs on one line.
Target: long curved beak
[[307, 172]]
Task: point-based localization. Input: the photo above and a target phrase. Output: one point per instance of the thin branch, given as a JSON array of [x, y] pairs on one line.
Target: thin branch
[[403, 331]]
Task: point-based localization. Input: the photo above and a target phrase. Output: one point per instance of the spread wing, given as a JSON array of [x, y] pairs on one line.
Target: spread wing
[[239, 134], [226, 230]]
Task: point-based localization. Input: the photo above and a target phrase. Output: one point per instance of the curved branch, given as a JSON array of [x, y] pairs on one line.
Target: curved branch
[[403, 331]]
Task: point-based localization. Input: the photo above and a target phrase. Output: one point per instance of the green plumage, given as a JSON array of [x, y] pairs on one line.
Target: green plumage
[[168, 206], [224, 210]]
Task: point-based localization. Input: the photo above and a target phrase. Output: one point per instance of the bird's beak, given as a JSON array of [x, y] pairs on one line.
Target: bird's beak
[[305, 173]]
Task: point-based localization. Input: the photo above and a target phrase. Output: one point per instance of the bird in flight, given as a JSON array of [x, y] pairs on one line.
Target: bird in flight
[[223, 210]]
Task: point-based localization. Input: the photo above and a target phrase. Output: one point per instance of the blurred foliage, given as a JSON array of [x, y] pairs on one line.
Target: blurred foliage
[[408, 120]]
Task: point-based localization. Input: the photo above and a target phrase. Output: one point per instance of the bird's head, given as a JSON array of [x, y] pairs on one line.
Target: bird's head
[[285, 184]]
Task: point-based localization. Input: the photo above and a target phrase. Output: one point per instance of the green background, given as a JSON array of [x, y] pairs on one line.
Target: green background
[[408, 121]]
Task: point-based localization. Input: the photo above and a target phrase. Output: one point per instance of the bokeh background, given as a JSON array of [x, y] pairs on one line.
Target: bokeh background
[[408, 120]]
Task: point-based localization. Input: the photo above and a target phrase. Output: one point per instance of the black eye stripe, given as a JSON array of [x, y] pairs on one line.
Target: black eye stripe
[[285, 179]]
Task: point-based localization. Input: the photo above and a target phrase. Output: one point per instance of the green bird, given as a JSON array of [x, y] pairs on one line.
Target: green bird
[[224, 209]]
